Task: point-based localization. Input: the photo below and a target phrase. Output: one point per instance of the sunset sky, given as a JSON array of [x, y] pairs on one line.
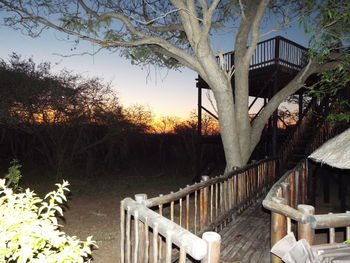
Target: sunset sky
[[165, 92]]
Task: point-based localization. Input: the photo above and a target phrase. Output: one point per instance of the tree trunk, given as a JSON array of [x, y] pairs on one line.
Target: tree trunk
[[228, 127]]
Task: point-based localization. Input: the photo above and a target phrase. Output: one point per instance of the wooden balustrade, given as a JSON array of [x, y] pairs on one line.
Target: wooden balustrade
[[207, 202], [274, 51], [322, 131], [286, 201], [161, 228], [296, 134]]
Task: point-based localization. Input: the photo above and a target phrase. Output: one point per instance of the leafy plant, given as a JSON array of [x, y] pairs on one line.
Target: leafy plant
[[14, 175], [29, 227]]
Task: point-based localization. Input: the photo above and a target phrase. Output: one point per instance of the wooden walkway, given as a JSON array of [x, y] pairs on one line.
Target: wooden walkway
[[247, 238]]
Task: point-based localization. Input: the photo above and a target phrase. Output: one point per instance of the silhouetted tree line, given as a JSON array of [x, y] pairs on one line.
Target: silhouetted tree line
[[64, 121]]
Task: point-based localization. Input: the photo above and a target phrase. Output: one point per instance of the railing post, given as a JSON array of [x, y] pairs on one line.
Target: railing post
[[331, 233], [213, 240], [203, 204], [286, 192], [277, 51], [347, 229], [292, 189], [122, 232], [278, 227], [199, 131], [297, 186], [304, 230], [286, 196], [142, 252]]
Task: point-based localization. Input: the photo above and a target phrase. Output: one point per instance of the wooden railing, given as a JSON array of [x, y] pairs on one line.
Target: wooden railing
[[274, 51], [289, 212], [313, 120], [292, 140], [167, 227]]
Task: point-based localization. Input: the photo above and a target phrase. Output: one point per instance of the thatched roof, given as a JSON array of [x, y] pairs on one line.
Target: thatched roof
[[335, 152]]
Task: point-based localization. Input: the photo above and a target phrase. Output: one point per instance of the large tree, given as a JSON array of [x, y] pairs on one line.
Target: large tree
[[178, 32]]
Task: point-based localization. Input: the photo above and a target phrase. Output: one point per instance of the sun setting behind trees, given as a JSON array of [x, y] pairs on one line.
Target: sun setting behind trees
[[32, 94], [63, 118]]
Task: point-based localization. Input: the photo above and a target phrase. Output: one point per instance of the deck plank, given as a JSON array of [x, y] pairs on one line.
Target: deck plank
[[247, 238]]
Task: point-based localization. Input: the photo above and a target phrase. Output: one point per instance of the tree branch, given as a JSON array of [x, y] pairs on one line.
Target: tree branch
[[242, 8], [161, 29], [165, 47], [208, 15], [190, 22], [204, 5], [293, 86], [259, 13], [80, 54], [88, 10]]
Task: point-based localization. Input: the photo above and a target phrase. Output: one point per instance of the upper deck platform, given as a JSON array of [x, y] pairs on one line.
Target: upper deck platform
[[274, 60]]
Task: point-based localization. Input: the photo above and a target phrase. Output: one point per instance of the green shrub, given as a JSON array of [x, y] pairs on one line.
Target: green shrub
[[30, 231]]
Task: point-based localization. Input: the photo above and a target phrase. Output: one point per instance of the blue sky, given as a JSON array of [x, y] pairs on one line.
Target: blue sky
[[165, 92]]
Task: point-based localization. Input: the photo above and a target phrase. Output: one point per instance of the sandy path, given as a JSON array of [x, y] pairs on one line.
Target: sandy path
[[98, 214]]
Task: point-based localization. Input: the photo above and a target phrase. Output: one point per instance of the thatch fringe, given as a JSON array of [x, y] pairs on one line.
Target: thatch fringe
[[335, 152]]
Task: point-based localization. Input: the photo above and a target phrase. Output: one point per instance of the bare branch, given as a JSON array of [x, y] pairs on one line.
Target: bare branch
[[210, 99], [204, 5], [87, 9], [154, 19], [220, 55], [80, 54], [164, 46], [208, 15], [242, 9], [293, 86], [259, 13], [276, 28], [146, 23], [228, 73], [188, 62], [169, 28], [190, 21]]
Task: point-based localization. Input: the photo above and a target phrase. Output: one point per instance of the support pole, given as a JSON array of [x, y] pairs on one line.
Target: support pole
[[304, 230], [204, 204], [274, 121], [199, 131], [278, 228], [213, 240], [142, 252], [300, 103], [274, 91], [122, 232], [286, 192]]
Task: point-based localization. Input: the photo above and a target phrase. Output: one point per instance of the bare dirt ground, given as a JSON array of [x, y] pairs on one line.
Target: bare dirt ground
[[93, 206]]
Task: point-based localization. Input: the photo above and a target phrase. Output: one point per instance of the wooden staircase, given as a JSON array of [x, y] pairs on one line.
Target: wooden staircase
[[311, 131]]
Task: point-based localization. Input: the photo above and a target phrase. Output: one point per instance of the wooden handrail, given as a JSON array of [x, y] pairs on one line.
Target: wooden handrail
[[194, 246], [276, 202], [299, 129], [181, 216], [195, 187], [331, 220], [277, 50]]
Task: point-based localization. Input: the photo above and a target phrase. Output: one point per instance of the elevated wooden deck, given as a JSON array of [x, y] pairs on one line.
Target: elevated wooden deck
[[275, 62], [247, 238]]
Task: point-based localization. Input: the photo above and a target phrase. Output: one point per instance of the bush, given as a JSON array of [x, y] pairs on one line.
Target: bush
[[29, 228]]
